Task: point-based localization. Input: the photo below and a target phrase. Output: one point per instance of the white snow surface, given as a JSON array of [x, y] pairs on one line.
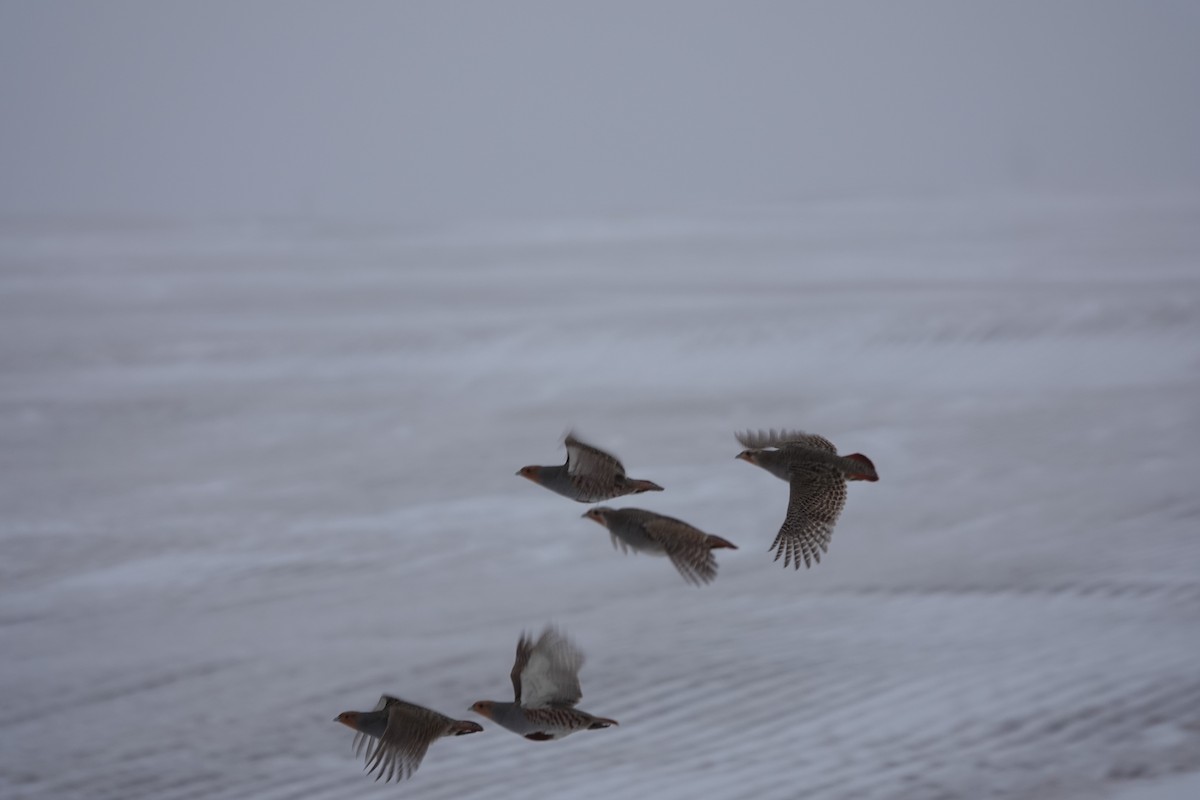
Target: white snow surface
[[257, 475]]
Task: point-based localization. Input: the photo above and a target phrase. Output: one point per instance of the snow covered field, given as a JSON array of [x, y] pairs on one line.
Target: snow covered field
[[253, 476]]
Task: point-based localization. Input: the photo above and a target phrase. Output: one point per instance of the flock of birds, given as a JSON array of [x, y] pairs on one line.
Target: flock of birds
[[545, 675]]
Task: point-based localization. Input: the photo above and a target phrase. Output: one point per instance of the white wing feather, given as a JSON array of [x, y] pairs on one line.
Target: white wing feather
[[551, 676]]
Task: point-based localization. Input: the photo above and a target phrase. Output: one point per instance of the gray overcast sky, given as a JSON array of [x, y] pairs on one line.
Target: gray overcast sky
[[426, 111]]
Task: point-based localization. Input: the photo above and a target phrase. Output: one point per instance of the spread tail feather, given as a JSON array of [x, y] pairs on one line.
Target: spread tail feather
[[715, 542], [868, 474]]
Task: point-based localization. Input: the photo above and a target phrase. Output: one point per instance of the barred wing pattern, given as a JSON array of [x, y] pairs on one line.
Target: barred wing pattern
[[400, 750], [758, 440], [586, 461], [818, 494], [686, 546]]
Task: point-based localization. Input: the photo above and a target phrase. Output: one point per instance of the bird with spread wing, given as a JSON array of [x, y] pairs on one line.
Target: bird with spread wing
[[817, 477], [590, 475], [690, 549], [396, 734], [545, 679]]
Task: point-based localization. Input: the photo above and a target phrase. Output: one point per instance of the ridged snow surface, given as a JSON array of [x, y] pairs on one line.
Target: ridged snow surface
[[252, 476]]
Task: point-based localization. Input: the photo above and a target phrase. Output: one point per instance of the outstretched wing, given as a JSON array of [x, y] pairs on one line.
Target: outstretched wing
[[410, 730], [757, 440], [818, 494], [584, 460], [551, 673], [524, 648], [686, 546]]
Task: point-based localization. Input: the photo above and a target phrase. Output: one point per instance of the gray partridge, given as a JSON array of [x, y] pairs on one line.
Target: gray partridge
[[396, 734], [817, 476], [545, 679], [690, 549], [589, 475]]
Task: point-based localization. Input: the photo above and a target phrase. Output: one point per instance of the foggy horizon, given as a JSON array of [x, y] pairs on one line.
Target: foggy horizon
[[422, 112]]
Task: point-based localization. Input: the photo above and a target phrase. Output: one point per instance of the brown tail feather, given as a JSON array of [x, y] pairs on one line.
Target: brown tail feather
[[601, 722], [639, 486], [870, 475], [715, 542]]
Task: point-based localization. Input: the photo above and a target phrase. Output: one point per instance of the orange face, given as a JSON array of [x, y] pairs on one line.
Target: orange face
[[528, 472], [484, 708], [747, 455], [347, 718], [595, 514]]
